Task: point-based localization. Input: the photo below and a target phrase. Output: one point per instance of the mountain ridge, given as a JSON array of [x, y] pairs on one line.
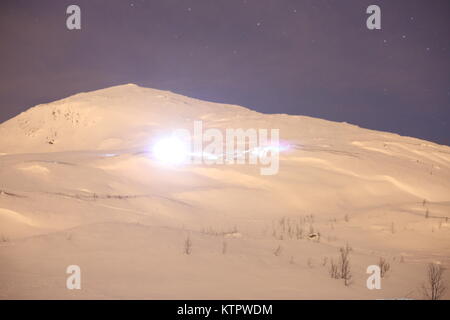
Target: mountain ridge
[[125, 115]]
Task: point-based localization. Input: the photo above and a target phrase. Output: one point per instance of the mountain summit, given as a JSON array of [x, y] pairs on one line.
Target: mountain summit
[[116, 117], [127, 116]]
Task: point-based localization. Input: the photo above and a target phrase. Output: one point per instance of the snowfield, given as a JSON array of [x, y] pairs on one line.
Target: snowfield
[[78, 186]]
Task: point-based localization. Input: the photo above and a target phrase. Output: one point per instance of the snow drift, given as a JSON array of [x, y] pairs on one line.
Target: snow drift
[[77, 187]]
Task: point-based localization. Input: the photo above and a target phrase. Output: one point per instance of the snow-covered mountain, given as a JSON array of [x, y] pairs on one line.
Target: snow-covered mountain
[[117, 117], [77, 186]]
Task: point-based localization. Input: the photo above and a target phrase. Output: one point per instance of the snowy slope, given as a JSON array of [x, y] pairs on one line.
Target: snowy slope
[[78, 187], [117, 117]]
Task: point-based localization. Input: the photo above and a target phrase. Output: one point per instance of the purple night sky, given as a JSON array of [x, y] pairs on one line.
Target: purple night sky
[[306, 57]]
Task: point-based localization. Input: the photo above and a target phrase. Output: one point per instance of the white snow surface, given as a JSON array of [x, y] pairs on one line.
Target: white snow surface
[[78, 187]]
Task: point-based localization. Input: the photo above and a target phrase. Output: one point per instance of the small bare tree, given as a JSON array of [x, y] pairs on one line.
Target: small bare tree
[[188, 245], [384, 267], [435, 288], [344, 264], [334, 270]]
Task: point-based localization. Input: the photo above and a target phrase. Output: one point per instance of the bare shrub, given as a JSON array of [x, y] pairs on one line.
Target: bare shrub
[[346, 218], [4, 238], [291, 228], [277, 251], [188, 245], [295, 228], [384, 266], [334, 270], [344, 264], [299, 232], [309, 263], [290, 231], [435, 288]]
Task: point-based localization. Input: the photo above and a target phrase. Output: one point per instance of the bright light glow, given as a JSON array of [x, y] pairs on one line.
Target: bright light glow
[[171, 150], [263, 151]]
